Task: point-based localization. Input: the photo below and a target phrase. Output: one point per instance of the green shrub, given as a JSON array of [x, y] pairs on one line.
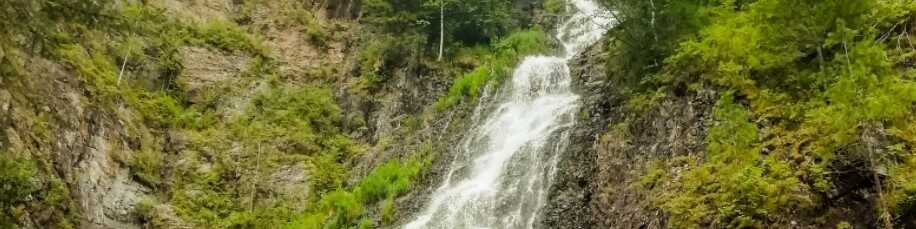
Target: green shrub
[[93, 67], [816, 76], [900, 190], [302, 120], [314, 31], [146, 207], [342, 209], [146, 167], [17, 182], [228, 36], [734, 185], [495, 67], [555, 7], [381, 54], [309, 221], [387, 180], [204, 205], [643, 103], [327, 173], [346, 206], [388, 211], [366, 224], [164, 110]]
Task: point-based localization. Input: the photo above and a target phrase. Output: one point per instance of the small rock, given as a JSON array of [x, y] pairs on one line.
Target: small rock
[[5, 98]]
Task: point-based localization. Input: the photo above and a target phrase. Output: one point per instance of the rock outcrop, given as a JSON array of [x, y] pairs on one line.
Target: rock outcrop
[[612, 145]]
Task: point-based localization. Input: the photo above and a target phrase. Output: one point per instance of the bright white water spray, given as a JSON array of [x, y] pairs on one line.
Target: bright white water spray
[[504, 166]]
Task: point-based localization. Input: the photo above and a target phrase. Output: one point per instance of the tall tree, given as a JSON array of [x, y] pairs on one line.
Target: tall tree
[[441, 28]]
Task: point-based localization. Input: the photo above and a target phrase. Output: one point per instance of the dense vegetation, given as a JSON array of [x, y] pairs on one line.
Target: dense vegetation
[[207, 155], [815, 106], [817, 103]]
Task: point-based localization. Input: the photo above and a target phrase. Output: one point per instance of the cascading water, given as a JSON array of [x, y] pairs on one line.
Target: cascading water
[[500, 174]]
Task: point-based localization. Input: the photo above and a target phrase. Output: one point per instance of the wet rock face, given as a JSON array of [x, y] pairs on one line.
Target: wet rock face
[[574, 186], [594, 184]]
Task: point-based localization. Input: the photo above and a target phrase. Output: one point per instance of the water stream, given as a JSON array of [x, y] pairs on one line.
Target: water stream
[[502, 170]]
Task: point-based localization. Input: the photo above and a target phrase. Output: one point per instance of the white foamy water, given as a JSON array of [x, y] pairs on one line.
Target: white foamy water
[[502, 170]]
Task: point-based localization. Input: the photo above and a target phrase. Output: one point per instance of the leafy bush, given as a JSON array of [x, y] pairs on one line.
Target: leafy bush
[[387, 180], [17, 182], [303, 120], [308, 221], [146, 166], [93, 67], [555, 7], [227, 36], [327, 173], [37, 22], [900, 190], [382, 54], [816, 77], [495, 67], [388, 211], [344, 208], [734, 185]]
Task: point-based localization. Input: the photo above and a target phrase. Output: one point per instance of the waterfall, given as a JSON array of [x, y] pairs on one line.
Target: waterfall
[[502, 170]]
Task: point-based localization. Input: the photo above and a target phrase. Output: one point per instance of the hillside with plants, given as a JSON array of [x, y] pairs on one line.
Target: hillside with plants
[[237, 114], [785, 114], [348, 113]]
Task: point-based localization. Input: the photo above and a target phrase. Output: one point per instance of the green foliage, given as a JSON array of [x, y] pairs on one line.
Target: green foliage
[[395, 16], [388, 211], [495, 66], [734, 185], [145, 207], [343, 209], [128, 56], [295, 125], [303, 120], [381, 55], [649, 31], [900, 190], [158, 108], [33, 24], [146, 166], [387, 180], [308, 221], [643, 103], [346, 206], [366, 224], [815, 76], [844, 225], [94, 67], [733, 136], [328, 173], [900, 195], [555, 7], [17, 182], [163, 109], [469, 21], [227, 36]]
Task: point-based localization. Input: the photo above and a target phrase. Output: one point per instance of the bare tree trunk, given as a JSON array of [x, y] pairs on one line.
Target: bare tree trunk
[[123, 64], [654, 31], [441, 28]]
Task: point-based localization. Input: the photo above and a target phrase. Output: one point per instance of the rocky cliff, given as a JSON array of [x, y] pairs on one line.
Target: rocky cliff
[[215, 114], [613, 144]]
